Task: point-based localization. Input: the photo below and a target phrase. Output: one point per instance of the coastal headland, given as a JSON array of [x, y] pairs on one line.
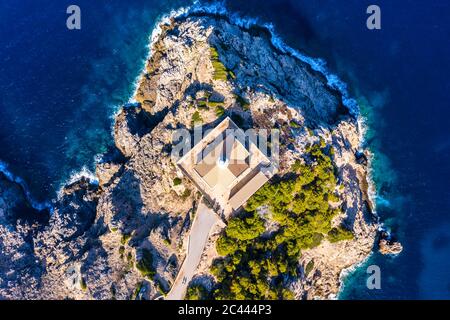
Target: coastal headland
[[125, 236]]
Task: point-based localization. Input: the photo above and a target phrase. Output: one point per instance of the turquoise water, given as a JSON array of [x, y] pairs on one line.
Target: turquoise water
[[60, 89]]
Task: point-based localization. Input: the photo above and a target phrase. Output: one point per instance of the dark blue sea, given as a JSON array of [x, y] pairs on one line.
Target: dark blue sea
[[59, 90]]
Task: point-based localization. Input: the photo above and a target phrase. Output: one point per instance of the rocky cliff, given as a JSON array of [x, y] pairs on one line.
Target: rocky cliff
[[125, 236]]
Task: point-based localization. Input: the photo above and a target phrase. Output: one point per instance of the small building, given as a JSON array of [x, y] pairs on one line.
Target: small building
[[227, 166]]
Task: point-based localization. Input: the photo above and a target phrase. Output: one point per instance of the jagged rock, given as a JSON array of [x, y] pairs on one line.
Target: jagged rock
[[106, 172], [126, 139], [390, 247], [97, 230]]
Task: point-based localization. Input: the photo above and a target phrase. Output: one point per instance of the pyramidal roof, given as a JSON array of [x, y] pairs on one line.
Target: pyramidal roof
[[223, 161], [226, 166]]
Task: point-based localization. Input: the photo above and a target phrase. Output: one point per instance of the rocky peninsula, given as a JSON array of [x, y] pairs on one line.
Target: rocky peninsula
[[125, 235]]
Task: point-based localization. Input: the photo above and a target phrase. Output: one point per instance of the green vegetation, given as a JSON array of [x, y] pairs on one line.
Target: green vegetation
[[294, 124], [309, 267], [203, 105], [137, 290], [196, 118], [161, 287], [297, 166], [220, 111], [130, 261], [186, 194], [242, 101], [83, 284], [113, 229], [177, 181], [214, 104], [125, 238], [121, 250], [197, 292], [145, 264], [256, 265], [220, 71], [206, 104], [339, 234]]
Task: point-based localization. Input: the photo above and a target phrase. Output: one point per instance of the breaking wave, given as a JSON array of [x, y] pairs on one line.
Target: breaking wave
[[83, 173], [40, 206], [219, 9]]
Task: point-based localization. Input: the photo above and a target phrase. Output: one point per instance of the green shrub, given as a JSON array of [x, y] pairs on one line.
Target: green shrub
[[255, 265], [83, 284], [125, 238], [137, 290], [214, 104], [309, 267], [245, 228], [202, 105], [294, 124], [226, 245], [220, 111], [161, 287], [220, 71], [339, 234], [186, 194], [177, 181], [113, 292], [196, 118], [197, 292], [145, 264]]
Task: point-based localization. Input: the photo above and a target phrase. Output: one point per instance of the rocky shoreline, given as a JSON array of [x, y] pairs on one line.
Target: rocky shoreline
[[125, 237]]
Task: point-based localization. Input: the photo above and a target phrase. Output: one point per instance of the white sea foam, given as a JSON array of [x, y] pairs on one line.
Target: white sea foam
[[219, 9], [216, 8], [75, 176], [16, 179], [317, 64], [153, 38], [348, 271]]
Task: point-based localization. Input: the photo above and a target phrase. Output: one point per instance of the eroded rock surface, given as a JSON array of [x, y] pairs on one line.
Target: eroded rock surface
[[98, 234], [390, 247]]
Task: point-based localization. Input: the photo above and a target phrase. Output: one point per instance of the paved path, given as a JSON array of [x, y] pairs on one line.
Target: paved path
[[204, 220]]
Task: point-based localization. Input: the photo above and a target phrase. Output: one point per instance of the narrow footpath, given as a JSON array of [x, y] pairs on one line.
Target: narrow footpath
[[204, 220]]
